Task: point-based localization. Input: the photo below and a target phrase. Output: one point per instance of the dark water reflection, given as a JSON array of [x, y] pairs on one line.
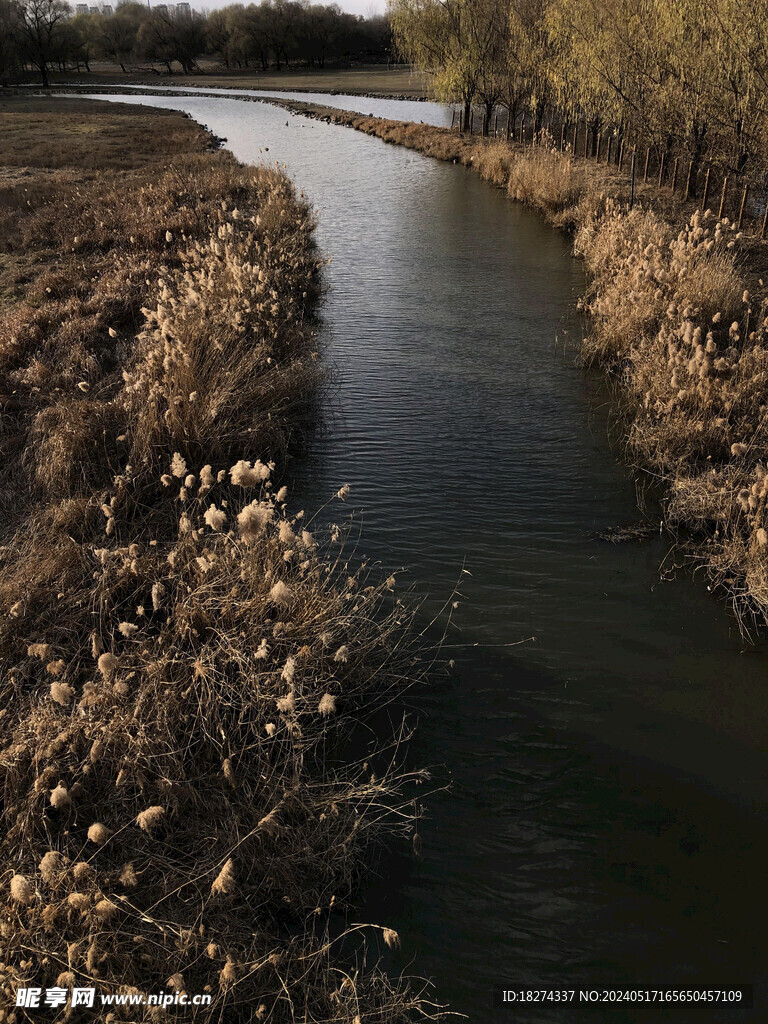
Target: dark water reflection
[[606, 823]]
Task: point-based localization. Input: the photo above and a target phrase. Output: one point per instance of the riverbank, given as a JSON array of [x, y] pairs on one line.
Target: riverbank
[[183, 661], [678, 321]]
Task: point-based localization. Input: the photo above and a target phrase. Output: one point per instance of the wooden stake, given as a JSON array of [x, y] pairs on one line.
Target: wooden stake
[[705, 196], [632, 173], [661, 169], [722, 198], [688, 182], [674, 175], [610, 147], [597, 151], [741, 208], [645, 169]]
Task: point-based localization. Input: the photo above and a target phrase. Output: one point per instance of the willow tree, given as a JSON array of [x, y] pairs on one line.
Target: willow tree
[[738, 45], [489, 27], [455, 41], [531, 50], [598, 68], [516, 71], [711, 86], [684, 97]]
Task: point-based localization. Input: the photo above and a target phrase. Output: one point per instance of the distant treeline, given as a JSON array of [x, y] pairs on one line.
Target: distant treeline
[[688, 76], [50, 34]]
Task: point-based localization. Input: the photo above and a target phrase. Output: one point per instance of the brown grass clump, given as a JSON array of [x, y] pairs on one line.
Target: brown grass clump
[[246, 855], [181, 808], [228, 334], [643, 274], [670, 313], [544, 177]]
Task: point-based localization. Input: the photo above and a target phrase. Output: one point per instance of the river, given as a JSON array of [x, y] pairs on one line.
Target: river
[[606, 821]]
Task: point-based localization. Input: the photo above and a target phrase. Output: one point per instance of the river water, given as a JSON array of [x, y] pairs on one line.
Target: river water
[[606, 821]]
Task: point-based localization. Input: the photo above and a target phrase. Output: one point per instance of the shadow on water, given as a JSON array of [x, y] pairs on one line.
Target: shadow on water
[[565, 853], [606, 818]]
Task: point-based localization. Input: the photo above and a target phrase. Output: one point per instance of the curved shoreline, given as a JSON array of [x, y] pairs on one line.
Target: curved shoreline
[[728, 537]]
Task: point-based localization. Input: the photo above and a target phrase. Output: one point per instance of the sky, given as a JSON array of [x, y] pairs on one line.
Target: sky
[[364, 7]]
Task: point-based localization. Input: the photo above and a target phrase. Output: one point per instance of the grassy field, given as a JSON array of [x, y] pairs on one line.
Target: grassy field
[[182, 659], [41, 134], [49, 147], [374, 80]]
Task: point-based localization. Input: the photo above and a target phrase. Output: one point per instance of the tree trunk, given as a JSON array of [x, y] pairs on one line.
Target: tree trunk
[[44, 74], [466, 117], [487, 115], [697, 154], [595, 126], [511, 118]]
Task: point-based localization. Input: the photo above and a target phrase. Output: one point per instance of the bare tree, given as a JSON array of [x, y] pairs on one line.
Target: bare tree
[[40, 24]]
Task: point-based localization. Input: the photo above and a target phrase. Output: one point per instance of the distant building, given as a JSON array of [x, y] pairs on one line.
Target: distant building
[[183, 8], [93, 10], [106, 9], [81, 9], [163, 8]]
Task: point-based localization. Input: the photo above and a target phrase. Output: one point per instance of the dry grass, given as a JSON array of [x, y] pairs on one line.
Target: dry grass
[[183, 665], [83, 135], [53, 155], [172, 743], [84, 252], [546, 178]]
